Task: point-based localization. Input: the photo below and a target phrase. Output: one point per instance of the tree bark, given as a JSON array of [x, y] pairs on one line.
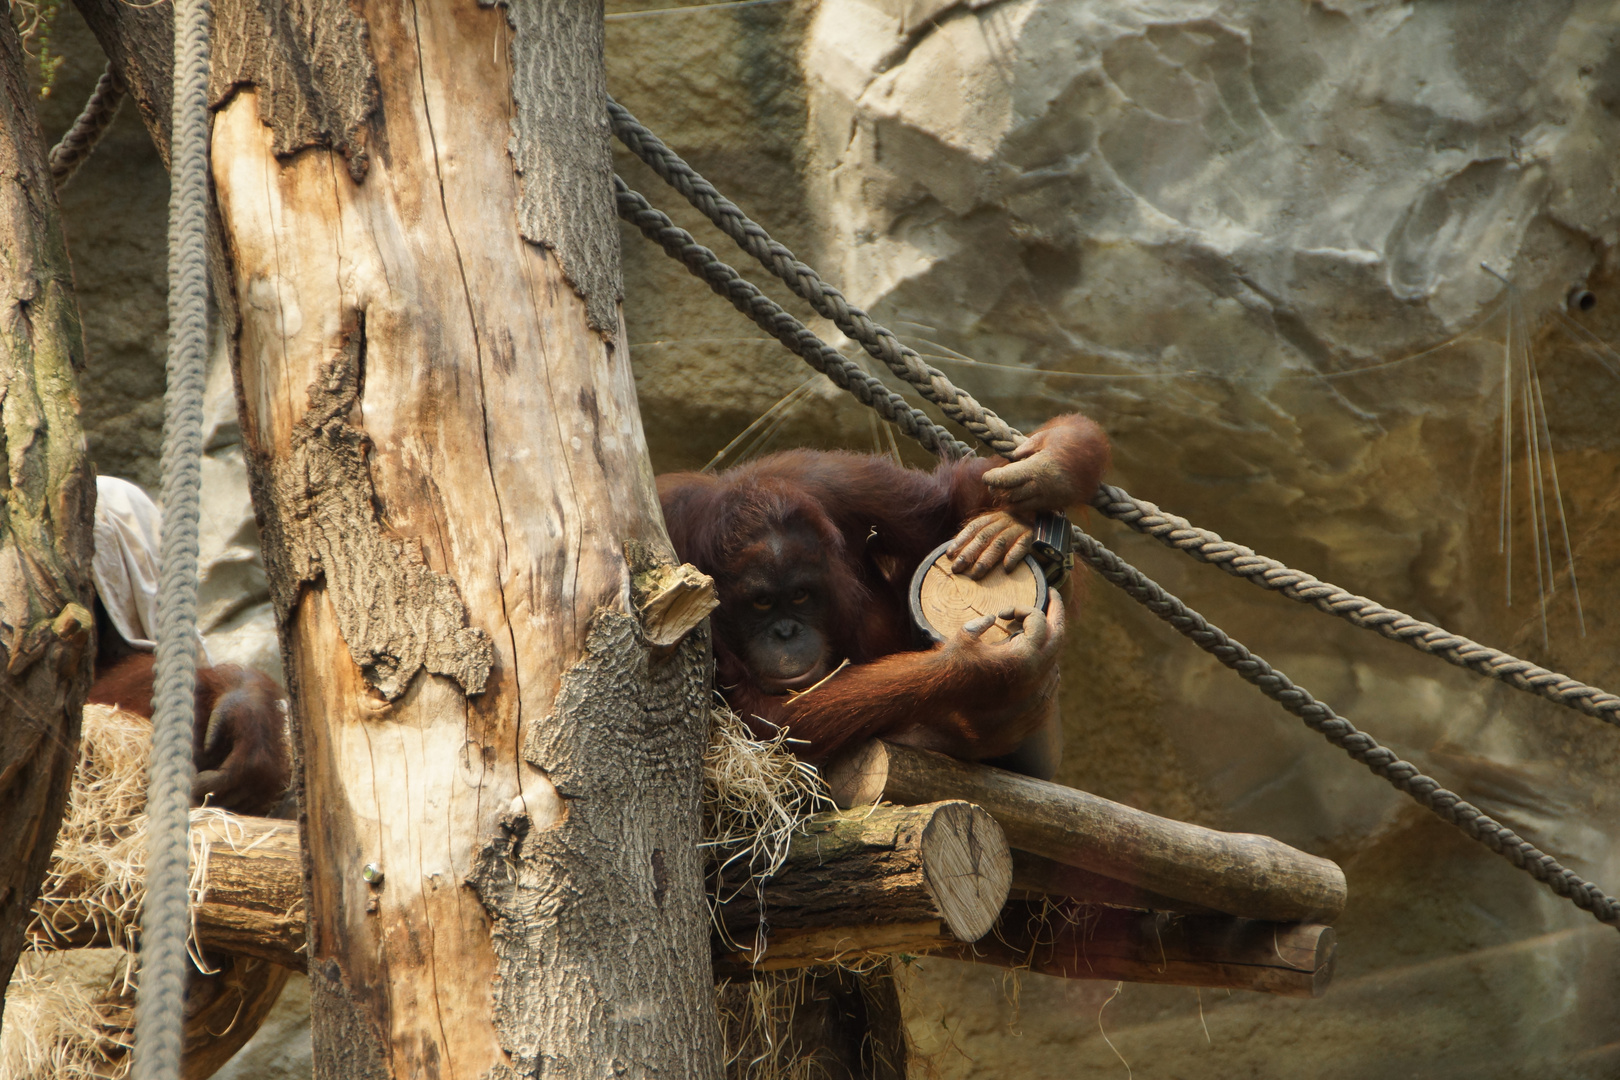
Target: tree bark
[[459, 524], [946, 864], [46, 516]]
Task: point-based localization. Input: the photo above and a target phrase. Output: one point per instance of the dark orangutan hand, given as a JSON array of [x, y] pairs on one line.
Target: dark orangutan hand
[[1055, 468], [1023, 669], [996, 538]]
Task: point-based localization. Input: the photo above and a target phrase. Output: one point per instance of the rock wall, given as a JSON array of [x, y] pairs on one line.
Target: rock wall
[[1246, 237]]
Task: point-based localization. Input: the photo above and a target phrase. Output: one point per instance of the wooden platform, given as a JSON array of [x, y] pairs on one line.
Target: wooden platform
[[973, 863]]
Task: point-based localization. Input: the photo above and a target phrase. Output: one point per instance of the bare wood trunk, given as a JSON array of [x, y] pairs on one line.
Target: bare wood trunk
[[1240, 874], [1077, 941], [452, 486], [46, 515]]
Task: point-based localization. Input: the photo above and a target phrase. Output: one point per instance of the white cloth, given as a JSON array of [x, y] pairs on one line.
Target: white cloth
[[125, 565]]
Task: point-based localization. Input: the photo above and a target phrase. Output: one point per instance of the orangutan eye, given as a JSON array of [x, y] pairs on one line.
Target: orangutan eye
[[801, 596], [763, 603]]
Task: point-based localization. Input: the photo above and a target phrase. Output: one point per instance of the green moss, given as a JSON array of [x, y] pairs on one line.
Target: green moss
[[35, 21]]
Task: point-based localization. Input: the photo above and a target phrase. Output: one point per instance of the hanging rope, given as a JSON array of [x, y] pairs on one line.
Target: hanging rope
[[1268, 573], [705, 265], [827, 301], [845, 373], [90, 125], [1321, 718], [1143, 516], [165, 919]]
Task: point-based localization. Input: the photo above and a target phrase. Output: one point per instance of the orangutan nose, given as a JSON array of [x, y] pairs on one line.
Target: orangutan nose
[[785, 629]]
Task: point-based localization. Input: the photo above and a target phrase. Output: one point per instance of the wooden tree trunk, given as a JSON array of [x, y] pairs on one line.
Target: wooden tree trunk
[[499, 781], [46, 516]]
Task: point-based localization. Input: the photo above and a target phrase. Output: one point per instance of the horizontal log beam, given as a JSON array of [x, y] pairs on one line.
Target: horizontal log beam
[[917, 876], [893, 867], [1035, 876], [1240, 874], [944, 864], [1078, 941], [252, 897]]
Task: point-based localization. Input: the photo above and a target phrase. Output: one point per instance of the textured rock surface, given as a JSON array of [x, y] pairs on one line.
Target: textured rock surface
[[1244, 236]]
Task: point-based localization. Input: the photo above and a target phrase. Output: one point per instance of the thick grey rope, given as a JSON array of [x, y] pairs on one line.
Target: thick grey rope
[[1320, 718], [1383, 762], [770, 317], [1115, 502], [165, 919], [87, 130], [827, 301], [1268, 573]]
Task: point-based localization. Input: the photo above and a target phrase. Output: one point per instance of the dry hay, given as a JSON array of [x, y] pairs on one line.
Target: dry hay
[[68, 1008], [756, 795], [66, 1016], [68, 1013]]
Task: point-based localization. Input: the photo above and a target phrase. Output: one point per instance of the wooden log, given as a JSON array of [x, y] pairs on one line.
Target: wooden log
[[252, 901], [1035, 876], [253, 889], [419, 276], [916, 877], [1240, 874], [1077, 941], [911, 877], [909, 873]]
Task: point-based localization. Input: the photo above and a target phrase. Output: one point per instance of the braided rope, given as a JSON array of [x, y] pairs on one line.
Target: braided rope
[[165, 918], [769, 316], [1319, 717], [1268, 573], [827, 301], [1114, 502], [1143, 516], [88, 128]]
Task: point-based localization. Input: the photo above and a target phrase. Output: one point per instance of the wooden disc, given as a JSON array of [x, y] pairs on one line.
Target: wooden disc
[[968, 868], [942, 601]]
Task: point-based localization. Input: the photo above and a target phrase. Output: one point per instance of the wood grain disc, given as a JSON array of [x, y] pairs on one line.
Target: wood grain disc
[[942, 601]]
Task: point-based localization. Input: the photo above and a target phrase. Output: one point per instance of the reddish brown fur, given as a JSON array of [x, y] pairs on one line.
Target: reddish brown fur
[[238, 734], [875, 521]]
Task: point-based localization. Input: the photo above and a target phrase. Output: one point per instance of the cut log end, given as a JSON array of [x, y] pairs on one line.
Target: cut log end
[[946, 600], [968, 868], [1250, 876], [858, 778]]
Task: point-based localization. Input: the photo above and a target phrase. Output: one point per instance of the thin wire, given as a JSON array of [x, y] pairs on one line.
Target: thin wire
[[1538, 503], [950, 355], [1558, 496], [785, 402]]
